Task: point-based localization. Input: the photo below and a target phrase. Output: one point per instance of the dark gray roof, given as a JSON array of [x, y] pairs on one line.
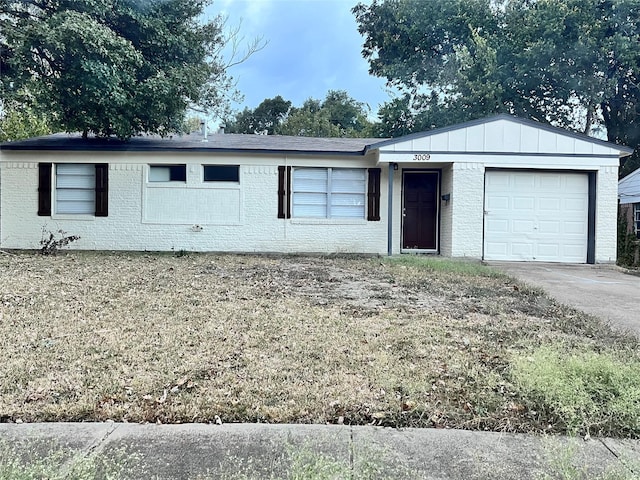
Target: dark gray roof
[[531, 123], [233, 143], [274, 144]]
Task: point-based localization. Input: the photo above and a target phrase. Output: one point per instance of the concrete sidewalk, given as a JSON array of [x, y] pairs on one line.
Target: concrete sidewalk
[[604, 291], [257, 451]]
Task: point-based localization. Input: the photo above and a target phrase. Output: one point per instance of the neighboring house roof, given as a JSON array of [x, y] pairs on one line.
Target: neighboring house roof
[[195, 142], [629, 188], [441, 132]]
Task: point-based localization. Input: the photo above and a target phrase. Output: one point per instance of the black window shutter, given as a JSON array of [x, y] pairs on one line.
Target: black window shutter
[[284, 191], [44, 189], [102, 189], [373, 195]]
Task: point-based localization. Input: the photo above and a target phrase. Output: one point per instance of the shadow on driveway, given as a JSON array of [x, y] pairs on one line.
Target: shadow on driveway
[[601, 290]]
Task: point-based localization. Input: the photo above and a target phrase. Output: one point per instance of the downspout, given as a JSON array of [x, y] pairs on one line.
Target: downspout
[[390, 212], [287, 196]]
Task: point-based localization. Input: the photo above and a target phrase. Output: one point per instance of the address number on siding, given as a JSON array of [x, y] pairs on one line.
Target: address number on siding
[[421, 157]]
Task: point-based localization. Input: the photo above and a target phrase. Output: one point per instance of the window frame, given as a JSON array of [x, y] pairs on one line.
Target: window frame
[[59, 176], [636, 219], [329, 207], [173, 167], [235, 181]]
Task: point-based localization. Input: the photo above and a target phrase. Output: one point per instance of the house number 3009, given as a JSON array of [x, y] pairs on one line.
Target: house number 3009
[[421, 157]]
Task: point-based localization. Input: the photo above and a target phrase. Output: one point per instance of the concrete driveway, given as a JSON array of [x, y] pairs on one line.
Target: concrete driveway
[[604, 291]]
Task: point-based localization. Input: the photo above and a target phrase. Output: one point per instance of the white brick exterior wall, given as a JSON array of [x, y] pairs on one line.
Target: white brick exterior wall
[[606, 214], [446, 212], [467, 200], [256, 230]]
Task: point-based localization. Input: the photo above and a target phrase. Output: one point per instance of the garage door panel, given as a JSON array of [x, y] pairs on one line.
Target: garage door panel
[[549, 183], [536, 216], [549, 227], [575, 228], [522, 250], [497, 226], [496, 249], [548, 250], [524, 203], [549, 205], [526, 181], [575, 205], [498, 203], [523, 226]]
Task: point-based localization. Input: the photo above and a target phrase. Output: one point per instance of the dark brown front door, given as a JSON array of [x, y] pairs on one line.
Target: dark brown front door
[[420, 210]]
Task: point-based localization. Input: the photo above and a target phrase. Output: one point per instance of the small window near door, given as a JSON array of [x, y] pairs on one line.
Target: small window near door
[[167, 173], [636, 219], [221, 173]]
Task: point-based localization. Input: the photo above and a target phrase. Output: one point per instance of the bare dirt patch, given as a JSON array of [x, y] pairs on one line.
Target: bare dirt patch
[[209, 338]]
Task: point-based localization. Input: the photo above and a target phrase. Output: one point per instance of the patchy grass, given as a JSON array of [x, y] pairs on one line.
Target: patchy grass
[[564, 462], [584, 390], [59, 463], [412, 341]]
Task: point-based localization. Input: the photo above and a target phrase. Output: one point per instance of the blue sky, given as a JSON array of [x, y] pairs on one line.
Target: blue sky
[[313, 46]]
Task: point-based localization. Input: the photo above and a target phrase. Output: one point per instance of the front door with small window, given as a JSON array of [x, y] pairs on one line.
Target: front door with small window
[[420, 210]]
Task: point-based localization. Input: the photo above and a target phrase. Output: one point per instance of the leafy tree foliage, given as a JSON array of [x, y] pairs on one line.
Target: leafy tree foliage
[[19, 122], [338, 115], [571, 63], [310, 120], [112, 67], [267, 117]]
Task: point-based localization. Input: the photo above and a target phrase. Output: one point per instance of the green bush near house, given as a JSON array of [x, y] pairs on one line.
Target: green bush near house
[[589, 392], [628, 244]]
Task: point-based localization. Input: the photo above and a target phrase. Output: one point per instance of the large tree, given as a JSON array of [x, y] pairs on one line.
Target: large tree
[[338, 115], [571, 63], [112, 67], [266, 117]]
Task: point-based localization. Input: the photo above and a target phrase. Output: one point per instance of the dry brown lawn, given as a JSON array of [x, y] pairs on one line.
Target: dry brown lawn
[[210, 338]]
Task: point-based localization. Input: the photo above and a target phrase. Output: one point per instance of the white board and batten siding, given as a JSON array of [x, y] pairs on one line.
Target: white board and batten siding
[[536, 216], [502, 136]]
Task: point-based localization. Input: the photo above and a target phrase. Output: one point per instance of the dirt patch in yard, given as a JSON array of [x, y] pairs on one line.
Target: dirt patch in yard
[[222, 338]]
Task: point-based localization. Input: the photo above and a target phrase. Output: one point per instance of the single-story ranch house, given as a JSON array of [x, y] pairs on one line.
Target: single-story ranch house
[[501, 188], [629, 198]]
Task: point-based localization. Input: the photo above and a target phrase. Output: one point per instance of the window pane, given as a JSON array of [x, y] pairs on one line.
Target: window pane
[[348, 187], [310, 205], [347, 199], [348, 205], [75, 176], [310, 180], [86, 207], [167, 173], [72, 194], [313, 211], [159, 174], [347, 211], [221, 173]]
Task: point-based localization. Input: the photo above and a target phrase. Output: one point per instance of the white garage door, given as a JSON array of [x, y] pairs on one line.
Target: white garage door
[[535, 216]]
